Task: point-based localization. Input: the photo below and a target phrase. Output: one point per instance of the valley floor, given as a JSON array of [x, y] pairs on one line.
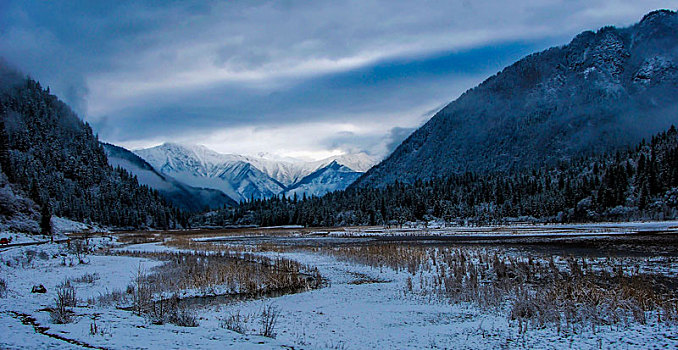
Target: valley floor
[[360, 305]]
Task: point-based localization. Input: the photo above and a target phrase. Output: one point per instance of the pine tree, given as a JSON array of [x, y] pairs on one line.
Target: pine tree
[[46, 220]]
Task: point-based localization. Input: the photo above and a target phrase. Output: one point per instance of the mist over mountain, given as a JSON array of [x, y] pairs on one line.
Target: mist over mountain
[[179, 194], [602, 91]]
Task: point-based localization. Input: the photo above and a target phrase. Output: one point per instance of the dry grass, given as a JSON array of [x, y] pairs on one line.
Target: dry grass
[[157, 294], [158, 236], [88, 278], [223, 272], [567, 292], [236, 322]]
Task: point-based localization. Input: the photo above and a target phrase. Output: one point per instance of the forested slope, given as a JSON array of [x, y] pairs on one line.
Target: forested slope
[[53, 157]]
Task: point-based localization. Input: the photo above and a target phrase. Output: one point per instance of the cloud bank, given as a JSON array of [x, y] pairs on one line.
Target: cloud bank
[[287, 77]]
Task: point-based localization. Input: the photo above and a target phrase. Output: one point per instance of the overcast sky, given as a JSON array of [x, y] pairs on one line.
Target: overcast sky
[[302, 79]]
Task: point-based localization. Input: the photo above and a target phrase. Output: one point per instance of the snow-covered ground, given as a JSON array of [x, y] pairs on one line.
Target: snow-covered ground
[[368, 308], [361, 307], [119, 329]]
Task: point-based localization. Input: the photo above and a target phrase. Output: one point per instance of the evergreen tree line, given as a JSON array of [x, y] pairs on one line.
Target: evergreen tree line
[[639, 183], [58, 162]]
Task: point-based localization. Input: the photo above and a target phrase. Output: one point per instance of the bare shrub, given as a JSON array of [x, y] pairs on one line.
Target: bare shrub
[[3, 288], [235, 322], [66, 293], [80, 248], [60, 313], [184, 317], [142, 293], [269, 319]]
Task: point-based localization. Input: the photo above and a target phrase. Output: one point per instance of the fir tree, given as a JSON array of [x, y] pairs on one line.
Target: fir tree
[[46, 220]]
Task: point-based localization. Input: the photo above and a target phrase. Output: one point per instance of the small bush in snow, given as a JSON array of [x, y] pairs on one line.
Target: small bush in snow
[[3, 288], [65, 298], [235, 322], [29, 257], [184, 317], [43, 255], [80, 249], [269, 319], [66, 293]]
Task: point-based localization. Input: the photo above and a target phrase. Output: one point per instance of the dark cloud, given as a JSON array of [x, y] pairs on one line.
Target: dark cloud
[[373, 93]]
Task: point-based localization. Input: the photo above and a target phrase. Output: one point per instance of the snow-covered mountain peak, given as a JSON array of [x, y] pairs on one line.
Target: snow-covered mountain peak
[[242, 177], [360, 162]]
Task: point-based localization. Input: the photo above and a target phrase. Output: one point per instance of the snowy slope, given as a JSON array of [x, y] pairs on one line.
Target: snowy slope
[[182, 195], [359, 162], [329, 178], [243, 177], [17, 211], [201, 167]]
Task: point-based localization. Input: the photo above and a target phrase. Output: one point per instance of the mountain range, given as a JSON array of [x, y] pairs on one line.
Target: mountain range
[[603, 91], [245, 177]]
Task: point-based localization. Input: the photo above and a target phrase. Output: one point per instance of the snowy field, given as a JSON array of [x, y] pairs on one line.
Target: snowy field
[[374, 295]]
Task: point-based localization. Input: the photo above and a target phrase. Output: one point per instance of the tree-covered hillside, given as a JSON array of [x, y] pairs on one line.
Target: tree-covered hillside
[[587, 96], [55, 159]]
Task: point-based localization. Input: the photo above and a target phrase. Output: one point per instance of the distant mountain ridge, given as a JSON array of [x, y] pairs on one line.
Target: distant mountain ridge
[[602, 91], [181, 195], [245, 177], [329, 178]]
